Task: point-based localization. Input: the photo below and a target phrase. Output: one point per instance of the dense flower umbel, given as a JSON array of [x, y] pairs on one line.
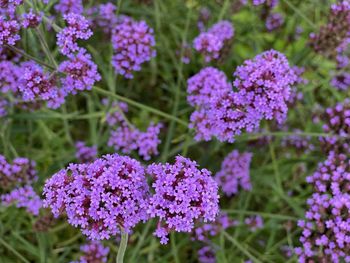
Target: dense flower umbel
[[9, 32], [80, 72], [107, 18], [341, 81], [85, 154], [69, 6], [20, 172], [264, 85], [77, 28], [101, 196], [183, 194], [36, 84], [331, 36], [326, 229], [31, 19], [210, 43], [94, 252], [274, 21], [234, 173], [23, 197], [133, 43], [337, 122], [207, 230], [8, 7]]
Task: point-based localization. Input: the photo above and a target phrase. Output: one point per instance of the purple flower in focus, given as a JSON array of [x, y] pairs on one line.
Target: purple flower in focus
[[94, 252], [80, 72], [182, 195], [70, 6], [9, 32], [326, 227], [77, 28], [31, 19], [264, 85], [85, 154], [23, 197], [133, 43], [101, 196], [341, 81], [234, 173], [274, 21]]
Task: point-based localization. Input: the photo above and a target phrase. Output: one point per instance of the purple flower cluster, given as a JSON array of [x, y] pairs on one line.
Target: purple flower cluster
[[94, 252], [234, 173], [80, 72], [36, 84], [8, 7], [325, 231], [107, 18], [23, 197], [341, 81], [295, 94], [207, 230], [127, 138], [69, 6], [183, 194], [337, 122], [210, 43], [101, 196], [77, 28], [274, 21], [206, 255], [133, 43], [9, 30], [85, 154], [31, 19], [263, 90], [254, 222], [332, 35], [20, 172]]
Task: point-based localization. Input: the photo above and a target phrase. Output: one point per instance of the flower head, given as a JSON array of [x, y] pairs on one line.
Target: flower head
[[9, 30], [101, 196], [69, 6], [183, 194], [94, 252], [85, 154], [133, 43]]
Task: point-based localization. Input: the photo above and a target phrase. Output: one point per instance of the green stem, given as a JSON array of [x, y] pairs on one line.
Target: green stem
[[122, 247]]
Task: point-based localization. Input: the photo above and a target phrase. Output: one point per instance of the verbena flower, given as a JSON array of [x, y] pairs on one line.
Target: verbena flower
[[23, 197], [337, 124], [331, 36], [69, 6], [207, 230], [8, 7], [302, 144], [9, 30], [85, 154], [341, 81], [36, 84], [206, 255], [94, 252], [274, 21], [77, 28], [20, 172], [80, 72], [31, 19], [234, 173], [254, 222], [211, 42], [100, 197], [183, 194], [133, 43], [107, 18], [325, 230]]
